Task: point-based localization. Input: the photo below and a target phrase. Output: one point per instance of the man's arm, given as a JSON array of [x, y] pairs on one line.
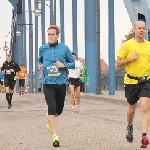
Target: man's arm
[[122, 62], [40, 60], [17, 73], [16, 68], [25, 72], [70, 60], [87, 76]]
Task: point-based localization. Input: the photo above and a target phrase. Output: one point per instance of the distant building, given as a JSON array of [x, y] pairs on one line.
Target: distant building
[[104, 66]]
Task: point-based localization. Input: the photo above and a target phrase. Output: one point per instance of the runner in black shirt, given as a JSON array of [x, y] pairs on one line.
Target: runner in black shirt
[[9, 69]]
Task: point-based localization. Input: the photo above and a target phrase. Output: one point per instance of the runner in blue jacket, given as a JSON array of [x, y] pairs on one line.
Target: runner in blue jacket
[[54, 60]]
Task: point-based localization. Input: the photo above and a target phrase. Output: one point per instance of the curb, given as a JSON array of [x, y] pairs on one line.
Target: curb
[[108, 100]]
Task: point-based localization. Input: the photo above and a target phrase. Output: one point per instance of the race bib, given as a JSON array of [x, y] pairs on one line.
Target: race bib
[[53, 71], [8, 72], [22, 74]]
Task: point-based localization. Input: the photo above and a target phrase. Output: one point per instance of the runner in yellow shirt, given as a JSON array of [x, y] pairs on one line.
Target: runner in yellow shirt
[[21, 76], [135, 56]]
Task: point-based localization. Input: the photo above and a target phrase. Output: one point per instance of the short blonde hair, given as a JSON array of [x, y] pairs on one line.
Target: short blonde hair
[[56, 28]]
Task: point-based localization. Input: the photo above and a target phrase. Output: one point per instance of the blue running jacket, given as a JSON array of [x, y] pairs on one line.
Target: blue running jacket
[[48, 56]]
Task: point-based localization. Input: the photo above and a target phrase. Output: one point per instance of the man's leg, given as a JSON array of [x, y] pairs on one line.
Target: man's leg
[[82, 94], [49, 93], [132, 95], [131, 113], [6, 83], [130, 117], [10, 96], [2, 86], [11, 90], [82, 90], [52, 122], [20, 86], [78, 95], [22, 89], [72, 96], [7, 93], [60, 93], [144, 102], [15, 86]]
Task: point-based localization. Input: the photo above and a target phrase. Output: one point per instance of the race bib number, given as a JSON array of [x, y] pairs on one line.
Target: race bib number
[[8, 72], [53, 71], [22, 74]]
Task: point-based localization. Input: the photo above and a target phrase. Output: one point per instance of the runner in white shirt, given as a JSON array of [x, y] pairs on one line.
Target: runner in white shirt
[[74, 82]]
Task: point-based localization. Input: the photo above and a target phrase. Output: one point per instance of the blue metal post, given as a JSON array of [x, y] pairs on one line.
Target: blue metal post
[[14, 53], [74, 25], [36, 49], [62, 35], [13, 35], [20, 41], [51, 13], [30, 49], [111, 53], [55, 12], [98, 89], [24, 37], [43, 22], [20, 38], [90, 43]]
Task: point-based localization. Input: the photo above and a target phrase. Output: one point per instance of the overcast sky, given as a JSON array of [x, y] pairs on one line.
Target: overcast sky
[[122, 25]]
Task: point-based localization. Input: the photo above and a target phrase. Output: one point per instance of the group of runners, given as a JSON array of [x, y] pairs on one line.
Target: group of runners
[[56, 61]]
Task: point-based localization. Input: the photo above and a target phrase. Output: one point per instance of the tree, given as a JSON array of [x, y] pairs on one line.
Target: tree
[[129, 36]]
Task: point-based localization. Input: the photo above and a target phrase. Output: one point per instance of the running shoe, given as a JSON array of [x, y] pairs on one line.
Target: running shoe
[[9, 106], [129, 135], [144, 142], [55, 141]]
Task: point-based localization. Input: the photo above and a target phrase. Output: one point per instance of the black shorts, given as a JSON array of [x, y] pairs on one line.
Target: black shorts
[[74, 81], [1, 82], [21, 82], [9, 83], [82, 87], [134, 91], [55, 97]]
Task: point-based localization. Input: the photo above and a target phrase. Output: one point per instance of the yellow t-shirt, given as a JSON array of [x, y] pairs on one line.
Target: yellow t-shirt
[[139, 67]]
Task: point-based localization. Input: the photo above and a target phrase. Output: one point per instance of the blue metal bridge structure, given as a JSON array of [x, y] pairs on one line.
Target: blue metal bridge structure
[[137, 10]]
